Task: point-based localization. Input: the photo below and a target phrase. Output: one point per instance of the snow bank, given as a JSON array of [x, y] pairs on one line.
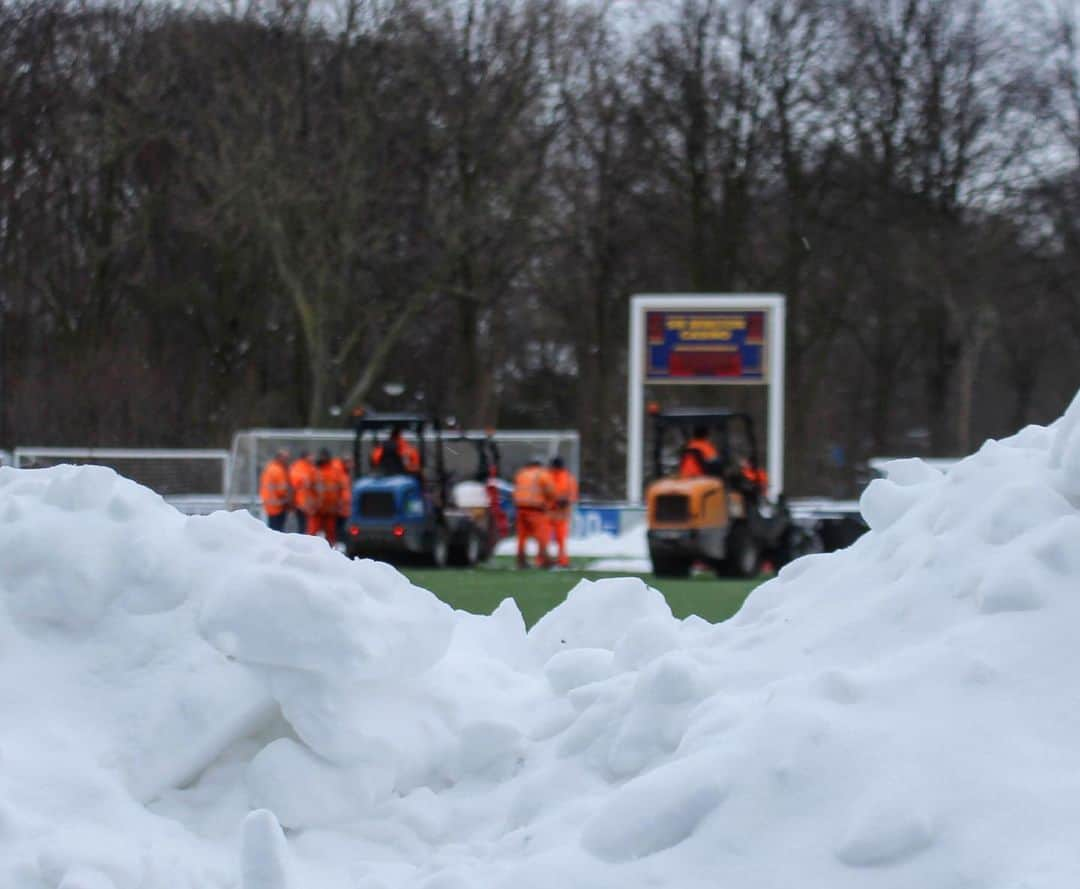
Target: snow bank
[[199, 702]]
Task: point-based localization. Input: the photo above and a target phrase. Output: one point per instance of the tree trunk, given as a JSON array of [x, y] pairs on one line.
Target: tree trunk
[[940, 378], [967, 371], [317, 415], [468, 364], [884, 393]]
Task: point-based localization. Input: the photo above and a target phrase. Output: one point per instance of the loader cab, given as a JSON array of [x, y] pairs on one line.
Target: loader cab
[[374, 434], [731, 434]]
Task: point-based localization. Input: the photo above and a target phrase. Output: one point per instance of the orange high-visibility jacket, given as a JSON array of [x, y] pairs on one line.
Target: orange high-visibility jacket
[[345, 498], [759, 477], [691, 466], [302, 477], [533, 488], [326, 490], [410, 456], [274, 488], [565, 488]]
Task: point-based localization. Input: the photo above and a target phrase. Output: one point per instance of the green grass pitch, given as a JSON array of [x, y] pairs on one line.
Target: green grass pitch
[[536, 592]]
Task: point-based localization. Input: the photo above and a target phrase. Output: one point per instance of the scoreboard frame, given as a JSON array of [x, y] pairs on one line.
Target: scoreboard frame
[[733, 339]]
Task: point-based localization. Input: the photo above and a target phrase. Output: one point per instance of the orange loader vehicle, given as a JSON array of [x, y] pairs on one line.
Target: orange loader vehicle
[[708, 502]]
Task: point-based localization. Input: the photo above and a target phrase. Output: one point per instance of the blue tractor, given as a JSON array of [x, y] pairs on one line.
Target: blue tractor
[[437, 516]]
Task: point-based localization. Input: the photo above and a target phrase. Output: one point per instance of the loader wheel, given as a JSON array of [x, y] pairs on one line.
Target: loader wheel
[[670, 566], [798, 542], [440, 548], [467, 554], [743, 554]]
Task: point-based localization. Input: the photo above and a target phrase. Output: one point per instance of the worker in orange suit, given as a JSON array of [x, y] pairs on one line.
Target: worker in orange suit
[[275, 491], [325, 500], [565, 492], [408, 457], [302, 477], [533, 497], [699, 454], [343, 467]]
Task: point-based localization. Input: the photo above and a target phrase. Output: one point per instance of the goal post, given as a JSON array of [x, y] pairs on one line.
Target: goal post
[[734, 339]]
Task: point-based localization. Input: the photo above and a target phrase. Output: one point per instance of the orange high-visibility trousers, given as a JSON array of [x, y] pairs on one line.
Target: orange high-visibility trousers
[[325, 522], [560, 530], [533, 523]]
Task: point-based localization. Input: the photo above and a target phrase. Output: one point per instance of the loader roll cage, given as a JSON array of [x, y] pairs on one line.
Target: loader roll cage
[[438, 481], [487, 452], [381, 426], [720, 425]]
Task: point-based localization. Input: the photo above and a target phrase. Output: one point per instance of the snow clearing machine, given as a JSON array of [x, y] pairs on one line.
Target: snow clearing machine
[[436, 514], [718, 513]]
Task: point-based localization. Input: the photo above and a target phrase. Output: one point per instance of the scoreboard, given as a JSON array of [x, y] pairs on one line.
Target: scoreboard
[[706, 346]]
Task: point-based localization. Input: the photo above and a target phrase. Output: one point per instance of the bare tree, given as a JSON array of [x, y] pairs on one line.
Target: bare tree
[[930, 81]]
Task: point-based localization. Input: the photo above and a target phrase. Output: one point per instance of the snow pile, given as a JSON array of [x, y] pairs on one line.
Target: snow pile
[[177, 690]]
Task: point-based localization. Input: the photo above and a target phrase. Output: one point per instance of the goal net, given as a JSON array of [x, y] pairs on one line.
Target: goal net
[[193, 480]]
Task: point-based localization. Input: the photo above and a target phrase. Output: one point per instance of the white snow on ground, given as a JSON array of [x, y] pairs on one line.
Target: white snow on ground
[[630, 544], [194, 701], [630, 566]]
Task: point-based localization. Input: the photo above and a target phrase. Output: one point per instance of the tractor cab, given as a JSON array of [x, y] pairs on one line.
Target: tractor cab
[[731, 436], [707, 502], [405, 500]]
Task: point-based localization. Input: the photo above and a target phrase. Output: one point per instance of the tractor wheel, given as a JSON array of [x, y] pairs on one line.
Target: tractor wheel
[[440, 548], [467, 554], [670, 566], [796, 543], [743, 554]]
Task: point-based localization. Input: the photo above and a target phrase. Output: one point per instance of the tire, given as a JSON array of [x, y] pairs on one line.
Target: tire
[[798, 542], [468, 553], [670, 566], [440, 548], [743, 554]]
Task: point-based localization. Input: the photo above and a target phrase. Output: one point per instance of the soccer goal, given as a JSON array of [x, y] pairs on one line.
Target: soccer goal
[[193, 480]]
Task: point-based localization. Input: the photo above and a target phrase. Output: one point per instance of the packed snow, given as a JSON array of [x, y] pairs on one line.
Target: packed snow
[[196, 701]]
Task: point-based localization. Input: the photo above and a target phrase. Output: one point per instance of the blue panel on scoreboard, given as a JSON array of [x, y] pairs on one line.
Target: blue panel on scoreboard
[[706, 346]]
